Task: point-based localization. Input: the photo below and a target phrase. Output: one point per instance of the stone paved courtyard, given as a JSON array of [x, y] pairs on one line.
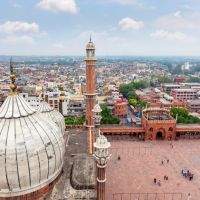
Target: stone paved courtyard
[[131, 177]]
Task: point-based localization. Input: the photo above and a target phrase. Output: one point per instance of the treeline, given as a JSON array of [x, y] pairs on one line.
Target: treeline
[[183, 116], [107, 116], [75, 120], [128, 91]]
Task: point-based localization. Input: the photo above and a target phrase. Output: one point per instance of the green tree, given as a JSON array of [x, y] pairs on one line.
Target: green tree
[[75, 120], [193, 79], [60, 88], [107, 117], [164, 79], [128, 90], [179, 111], [183, 116], [140, 84], [142, 104], [131, 95], [133, 102], [69, 121], [80, 120], [125, 89]]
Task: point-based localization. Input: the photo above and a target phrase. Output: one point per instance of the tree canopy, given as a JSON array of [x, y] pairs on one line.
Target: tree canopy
[[75, 120], [193, 79], [133, 102], [183, 116], [164, 79], [128, 90], [142, 104], [107, 117]]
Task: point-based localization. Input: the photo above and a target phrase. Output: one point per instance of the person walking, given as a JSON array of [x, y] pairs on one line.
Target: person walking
[[189, 197]]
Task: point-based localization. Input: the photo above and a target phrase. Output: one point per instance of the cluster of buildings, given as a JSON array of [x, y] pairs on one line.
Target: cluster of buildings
[[185, 95], [64, 83], [32, 147]]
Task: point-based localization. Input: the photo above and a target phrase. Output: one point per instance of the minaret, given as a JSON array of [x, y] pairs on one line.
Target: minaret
[[90, 95]]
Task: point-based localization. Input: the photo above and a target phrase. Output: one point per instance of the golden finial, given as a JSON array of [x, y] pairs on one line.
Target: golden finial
[[13, 86]]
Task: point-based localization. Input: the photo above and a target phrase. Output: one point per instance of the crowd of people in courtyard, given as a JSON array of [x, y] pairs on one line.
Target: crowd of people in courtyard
[[187, 174]]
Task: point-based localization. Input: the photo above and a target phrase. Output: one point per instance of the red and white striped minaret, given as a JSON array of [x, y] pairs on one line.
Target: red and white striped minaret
[[90, 95]]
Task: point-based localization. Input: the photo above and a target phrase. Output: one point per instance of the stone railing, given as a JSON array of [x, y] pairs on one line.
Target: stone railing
[[74, 126]]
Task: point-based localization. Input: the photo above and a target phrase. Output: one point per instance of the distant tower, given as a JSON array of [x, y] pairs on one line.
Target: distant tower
[[90, 93]]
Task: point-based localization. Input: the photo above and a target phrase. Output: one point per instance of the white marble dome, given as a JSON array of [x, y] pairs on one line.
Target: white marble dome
[[31, 149], [50, 113]]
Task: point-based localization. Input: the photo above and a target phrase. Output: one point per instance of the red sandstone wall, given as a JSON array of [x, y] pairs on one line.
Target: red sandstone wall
[[35, 195]]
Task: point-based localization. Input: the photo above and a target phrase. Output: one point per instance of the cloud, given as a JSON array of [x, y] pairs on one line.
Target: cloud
[[163, 34], [126, 2], [59, 46], [20, 33], [58, 5], [16, 40], [128, 23], [177, 13], [19, 26], [178, 21]]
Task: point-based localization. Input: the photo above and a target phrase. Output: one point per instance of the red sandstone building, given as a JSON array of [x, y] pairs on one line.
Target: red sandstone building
[[158, 124], [120, 108], [159, 100], [179, 79]]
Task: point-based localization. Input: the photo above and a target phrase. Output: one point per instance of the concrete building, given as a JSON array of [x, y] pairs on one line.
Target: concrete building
[[169, 87], [184, 94], [194, 105], [76, 107], [33, 100]]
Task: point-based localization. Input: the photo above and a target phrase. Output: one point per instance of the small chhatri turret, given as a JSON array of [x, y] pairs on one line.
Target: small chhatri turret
[[90, 49]]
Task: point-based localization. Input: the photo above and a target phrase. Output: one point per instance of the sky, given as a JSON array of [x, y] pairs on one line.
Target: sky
[[117, 27]]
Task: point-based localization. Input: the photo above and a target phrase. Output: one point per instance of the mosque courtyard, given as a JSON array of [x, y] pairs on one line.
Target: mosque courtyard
[[134, 165]]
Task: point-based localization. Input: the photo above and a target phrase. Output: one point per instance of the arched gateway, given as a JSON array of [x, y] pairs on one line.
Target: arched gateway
[[158, 124], [160, 135]]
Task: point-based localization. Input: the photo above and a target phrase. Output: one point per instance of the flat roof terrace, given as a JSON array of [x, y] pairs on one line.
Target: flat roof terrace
[[131, 177]]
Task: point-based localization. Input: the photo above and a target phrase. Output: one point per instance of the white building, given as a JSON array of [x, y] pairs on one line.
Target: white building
[[33, 101]]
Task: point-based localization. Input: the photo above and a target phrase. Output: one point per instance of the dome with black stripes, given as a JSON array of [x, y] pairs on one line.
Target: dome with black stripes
[[51, 113], [31, 149]]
